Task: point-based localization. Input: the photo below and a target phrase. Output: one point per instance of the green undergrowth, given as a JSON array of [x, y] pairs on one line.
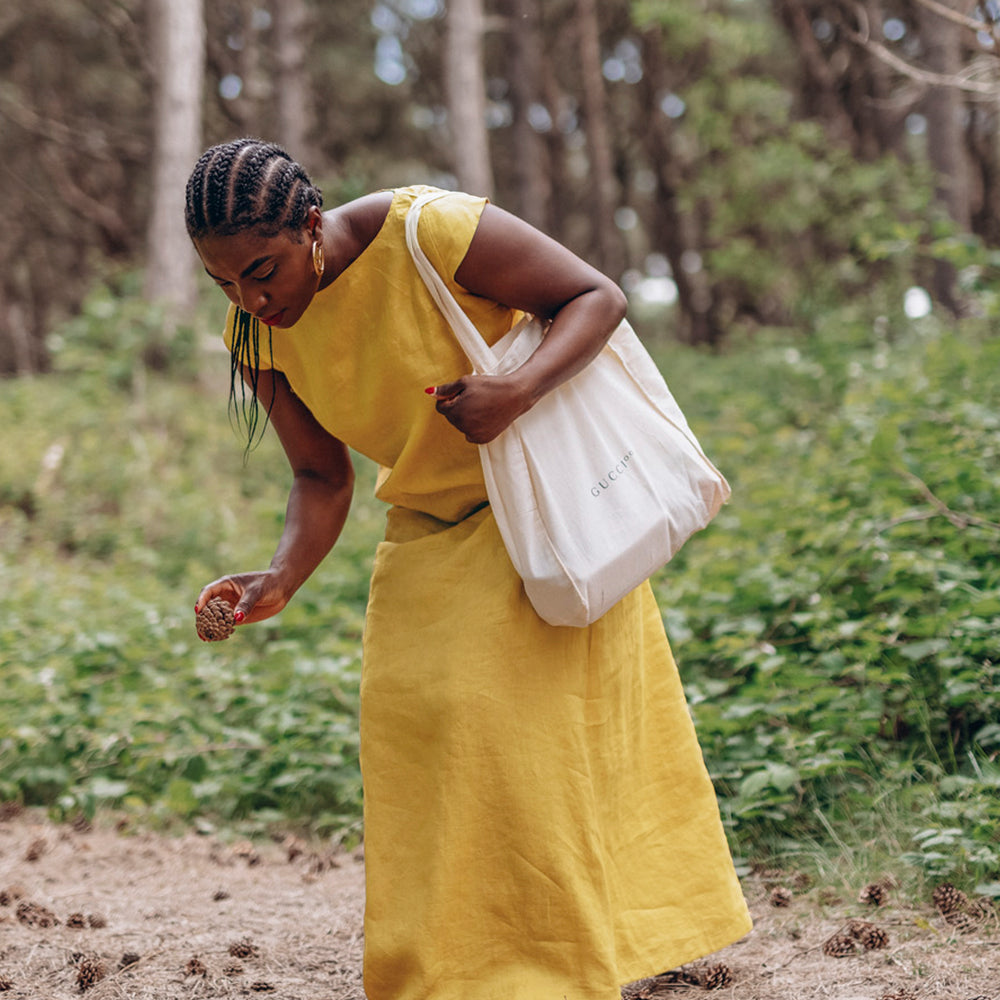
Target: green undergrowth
[[836, 626]]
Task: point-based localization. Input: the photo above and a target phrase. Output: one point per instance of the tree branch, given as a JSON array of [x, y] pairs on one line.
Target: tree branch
[[957, 17], [957, 519], [878, 50]]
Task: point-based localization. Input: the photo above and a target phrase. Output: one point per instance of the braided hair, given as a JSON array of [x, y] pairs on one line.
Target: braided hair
[[247, 184]]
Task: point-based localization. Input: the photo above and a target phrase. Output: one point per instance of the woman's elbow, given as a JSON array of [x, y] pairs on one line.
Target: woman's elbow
[[617, 302]]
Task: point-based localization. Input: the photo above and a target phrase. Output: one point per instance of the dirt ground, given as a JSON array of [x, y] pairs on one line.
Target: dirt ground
[[116, 914]]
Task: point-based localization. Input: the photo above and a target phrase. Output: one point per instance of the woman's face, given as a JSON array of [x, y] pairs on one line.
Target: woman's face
[[270, 277]]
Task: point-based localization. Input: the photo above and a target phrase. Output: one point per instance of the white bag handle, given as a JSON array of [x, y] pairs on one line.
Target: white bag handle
[[484, 361]]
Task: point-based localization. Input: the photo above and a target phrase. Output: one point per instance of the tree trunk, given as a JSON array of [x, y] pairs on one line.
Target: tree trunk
[[671, 231], [607, 241], [984, 159], [523, 71], [179, 42], [555, 145], [465, 88], [890, 136], [941, 41], [820, 90], [293, 94]]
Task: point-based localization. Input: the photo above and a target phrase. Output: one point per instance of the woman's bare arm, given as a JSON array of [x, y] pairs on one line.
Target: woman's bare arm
[[513, 263], [318, 502]]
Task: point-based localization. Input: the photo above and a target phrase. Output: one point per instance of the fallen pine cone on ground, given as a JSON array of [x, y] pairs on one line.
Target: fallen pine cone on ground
[[244, 948], [839, 946], [948, 899], [195, 967], [36, 915], [90, 970], [215, 621], [780, 896], [875, 894], [717, 976]]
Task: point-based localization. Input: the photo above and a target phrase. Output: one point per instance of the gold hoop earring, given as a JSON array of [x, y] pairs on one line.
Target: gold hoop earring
[[318, 263]]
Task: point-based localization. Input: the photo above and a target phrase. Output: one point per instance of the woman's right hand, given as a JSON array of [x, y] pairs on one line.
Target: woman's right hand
[[253, 596]]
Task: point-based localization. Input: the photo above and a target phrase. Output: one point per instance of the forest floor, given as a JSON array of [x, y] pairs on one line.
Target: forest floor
[[114, 913]]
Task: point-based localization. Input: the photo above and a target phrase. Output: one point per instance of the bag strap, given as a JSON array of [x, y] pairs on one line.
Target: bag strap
[[484, 362]]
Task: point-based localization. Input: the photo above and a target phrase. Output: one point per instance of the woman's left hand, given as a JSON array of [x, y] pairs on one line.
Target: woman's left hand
[[513, 264], [481, 406]]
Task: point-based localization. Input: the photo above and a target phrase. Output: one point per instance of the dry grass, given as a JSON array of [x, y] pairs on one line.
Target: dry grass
[[148, 917]]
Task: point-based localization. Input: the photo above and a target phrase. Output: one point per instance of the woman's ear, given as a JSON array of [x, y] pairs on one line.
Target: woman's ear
[[314, 222]]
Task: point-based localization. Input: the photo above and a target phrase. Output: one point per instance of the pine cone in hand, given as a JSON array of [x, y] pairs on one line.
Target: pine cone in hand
[[215, 621]]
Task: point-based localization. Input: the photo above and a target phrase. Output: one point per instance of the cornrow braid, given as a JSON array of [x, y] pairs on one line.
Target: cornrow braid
[[247, 184]]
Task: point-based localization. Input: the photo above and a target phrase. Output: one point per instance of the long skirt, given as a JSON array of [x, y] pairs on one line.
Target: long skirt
[[539, 822]]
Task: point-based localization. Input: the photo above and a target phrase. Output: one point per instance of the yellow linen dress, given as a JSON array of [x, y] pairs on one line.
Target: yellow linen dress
[[539, 823]]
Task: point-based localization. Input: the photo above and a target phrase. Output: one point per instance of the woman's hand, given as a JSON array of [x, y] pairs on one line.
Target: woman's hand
[[482, 406], [512, 263], [253, 596], [322, 483]]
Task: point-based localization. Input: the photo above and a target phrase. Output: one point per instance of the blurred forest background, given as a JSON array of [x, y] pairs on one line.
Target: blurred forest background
[[802, 199]]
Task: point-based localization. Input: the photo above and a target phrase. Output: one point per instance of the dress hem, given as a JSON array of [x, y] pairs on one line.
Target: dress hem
[[701, 951]]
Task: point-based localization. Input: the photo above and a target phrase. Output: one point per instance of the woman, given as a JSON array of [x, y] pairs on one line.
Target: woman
[[538, 820]]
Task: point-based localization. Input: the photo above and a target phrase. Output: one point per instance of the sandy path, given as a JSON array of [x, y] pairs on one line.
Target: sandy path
[[179, 906]]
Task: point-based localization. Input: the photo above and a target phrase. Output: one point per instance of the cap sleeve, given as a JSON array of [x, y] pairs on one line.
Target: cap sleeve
[[446, 228]]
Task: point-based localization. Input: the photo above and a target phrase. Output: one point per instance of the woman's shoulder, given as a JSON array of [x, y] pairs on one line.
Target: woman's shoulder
[[359, 222], [363, 218]]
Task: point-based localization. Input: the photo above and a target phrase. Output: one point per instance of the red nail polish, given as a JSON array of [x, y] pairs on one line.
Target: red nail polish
[[430, 390], [239, 616]]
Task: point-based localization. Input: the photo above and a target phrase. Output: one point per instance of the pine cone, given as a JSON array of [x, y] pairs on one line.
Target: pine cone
[[899, 995], [89, 972], [246, 852], [76, 920], [195, 967], [839, 946], [780, 896], [873, 938], [962, 921], [294, 847], [35, 915], [717, 976], [663, 985], [261, 987], [215, 621], [244, 949], [96, 921], [36, 849], [948, 899], [874, 894], [981, 908]]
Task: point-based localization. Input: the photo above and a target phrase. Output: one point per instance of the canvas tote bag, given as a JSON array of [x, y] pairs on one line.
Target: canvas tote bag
[[601, 482]]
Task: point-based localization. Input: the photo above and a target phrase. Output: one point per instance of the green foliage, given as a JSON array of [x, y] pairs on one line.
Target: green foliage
[[837, 624], [119, 335], [120, 499], [789, 223]]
